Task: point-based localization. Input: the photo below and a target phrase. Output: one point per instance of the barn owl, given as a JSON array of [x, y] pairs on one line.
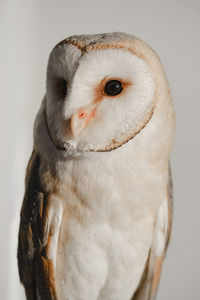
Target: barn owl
[[96, 216]]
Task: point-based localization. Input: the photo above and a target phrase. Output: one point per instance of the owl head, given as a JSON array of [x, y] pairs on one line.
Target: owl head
[[102, 91]]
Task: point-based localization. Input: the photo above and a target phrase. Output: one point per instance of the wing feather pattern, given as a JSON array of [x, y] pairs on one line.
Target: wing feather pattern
[[35, 267], [149, 283]]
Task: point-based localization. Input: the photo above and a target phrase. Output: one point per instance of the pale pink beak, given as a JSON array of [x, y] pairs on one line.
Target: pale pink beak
[[81, 119]]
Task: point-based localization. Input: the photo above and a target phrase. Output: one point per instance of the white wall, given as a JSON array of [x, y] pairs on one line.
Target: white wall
[[29, 30]]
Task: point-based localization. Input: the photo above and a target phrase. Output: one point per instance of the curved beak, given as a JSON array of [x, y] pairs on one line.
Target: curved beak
[[81, 118]]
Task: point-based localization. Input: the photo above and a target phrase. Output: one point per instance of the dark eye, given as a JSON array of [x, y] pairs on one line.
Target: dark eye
[[113, 88], [63, 87]]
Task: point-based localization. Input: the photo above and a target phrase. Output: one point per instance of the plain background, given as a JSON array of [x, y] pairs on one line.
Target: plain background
[[29, 30]]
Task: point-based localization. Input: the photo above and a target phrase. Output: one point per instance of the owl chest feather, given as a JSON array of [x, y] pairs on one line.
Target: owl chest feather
[[106, 231]]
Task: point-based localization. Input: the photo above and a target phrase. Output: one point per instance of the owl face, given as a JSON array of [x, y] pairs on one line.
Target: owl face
[[97, 99]]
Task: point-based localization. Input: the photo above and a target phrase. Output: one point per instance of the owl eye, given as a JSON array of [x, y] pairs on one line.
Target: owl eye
[[58, 87], [113, 88], [63, 87]]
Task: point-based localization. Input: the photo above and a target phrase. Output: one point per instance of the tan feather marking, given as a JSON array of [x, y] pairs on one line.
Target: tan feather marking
[[157, 273], [45, 264], [125, 44], [50, 275], [48, 243], [41, 211], [170, 211], [45, 269], [79, 45], [169, 222]]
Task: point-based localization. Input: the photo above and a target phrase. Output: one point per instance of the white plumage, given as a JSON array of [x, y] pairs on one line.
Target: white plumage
[[103, 172]]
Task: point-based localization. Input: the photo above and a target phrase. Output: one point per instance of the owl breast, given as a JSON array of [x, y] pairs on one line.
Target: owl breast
[[101, 262], [105, 234]]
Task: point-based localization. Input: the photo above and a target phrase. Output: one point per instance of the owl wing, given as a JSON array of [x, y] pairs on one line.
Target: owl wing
[[149, 283], [38, 237]]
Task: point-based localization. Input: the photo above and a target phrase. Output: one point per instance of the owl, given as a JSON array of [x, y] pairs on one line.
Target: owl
[[96, 216]]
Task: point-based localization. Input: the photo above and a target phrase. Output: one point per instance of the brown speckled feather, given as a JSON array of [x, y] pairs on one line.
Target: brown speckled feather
[[35, 269]]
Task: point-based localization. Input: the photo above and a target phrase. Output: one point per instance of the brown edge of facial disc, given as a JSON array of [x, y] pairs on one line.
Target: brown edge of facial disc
[[126, 45]]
